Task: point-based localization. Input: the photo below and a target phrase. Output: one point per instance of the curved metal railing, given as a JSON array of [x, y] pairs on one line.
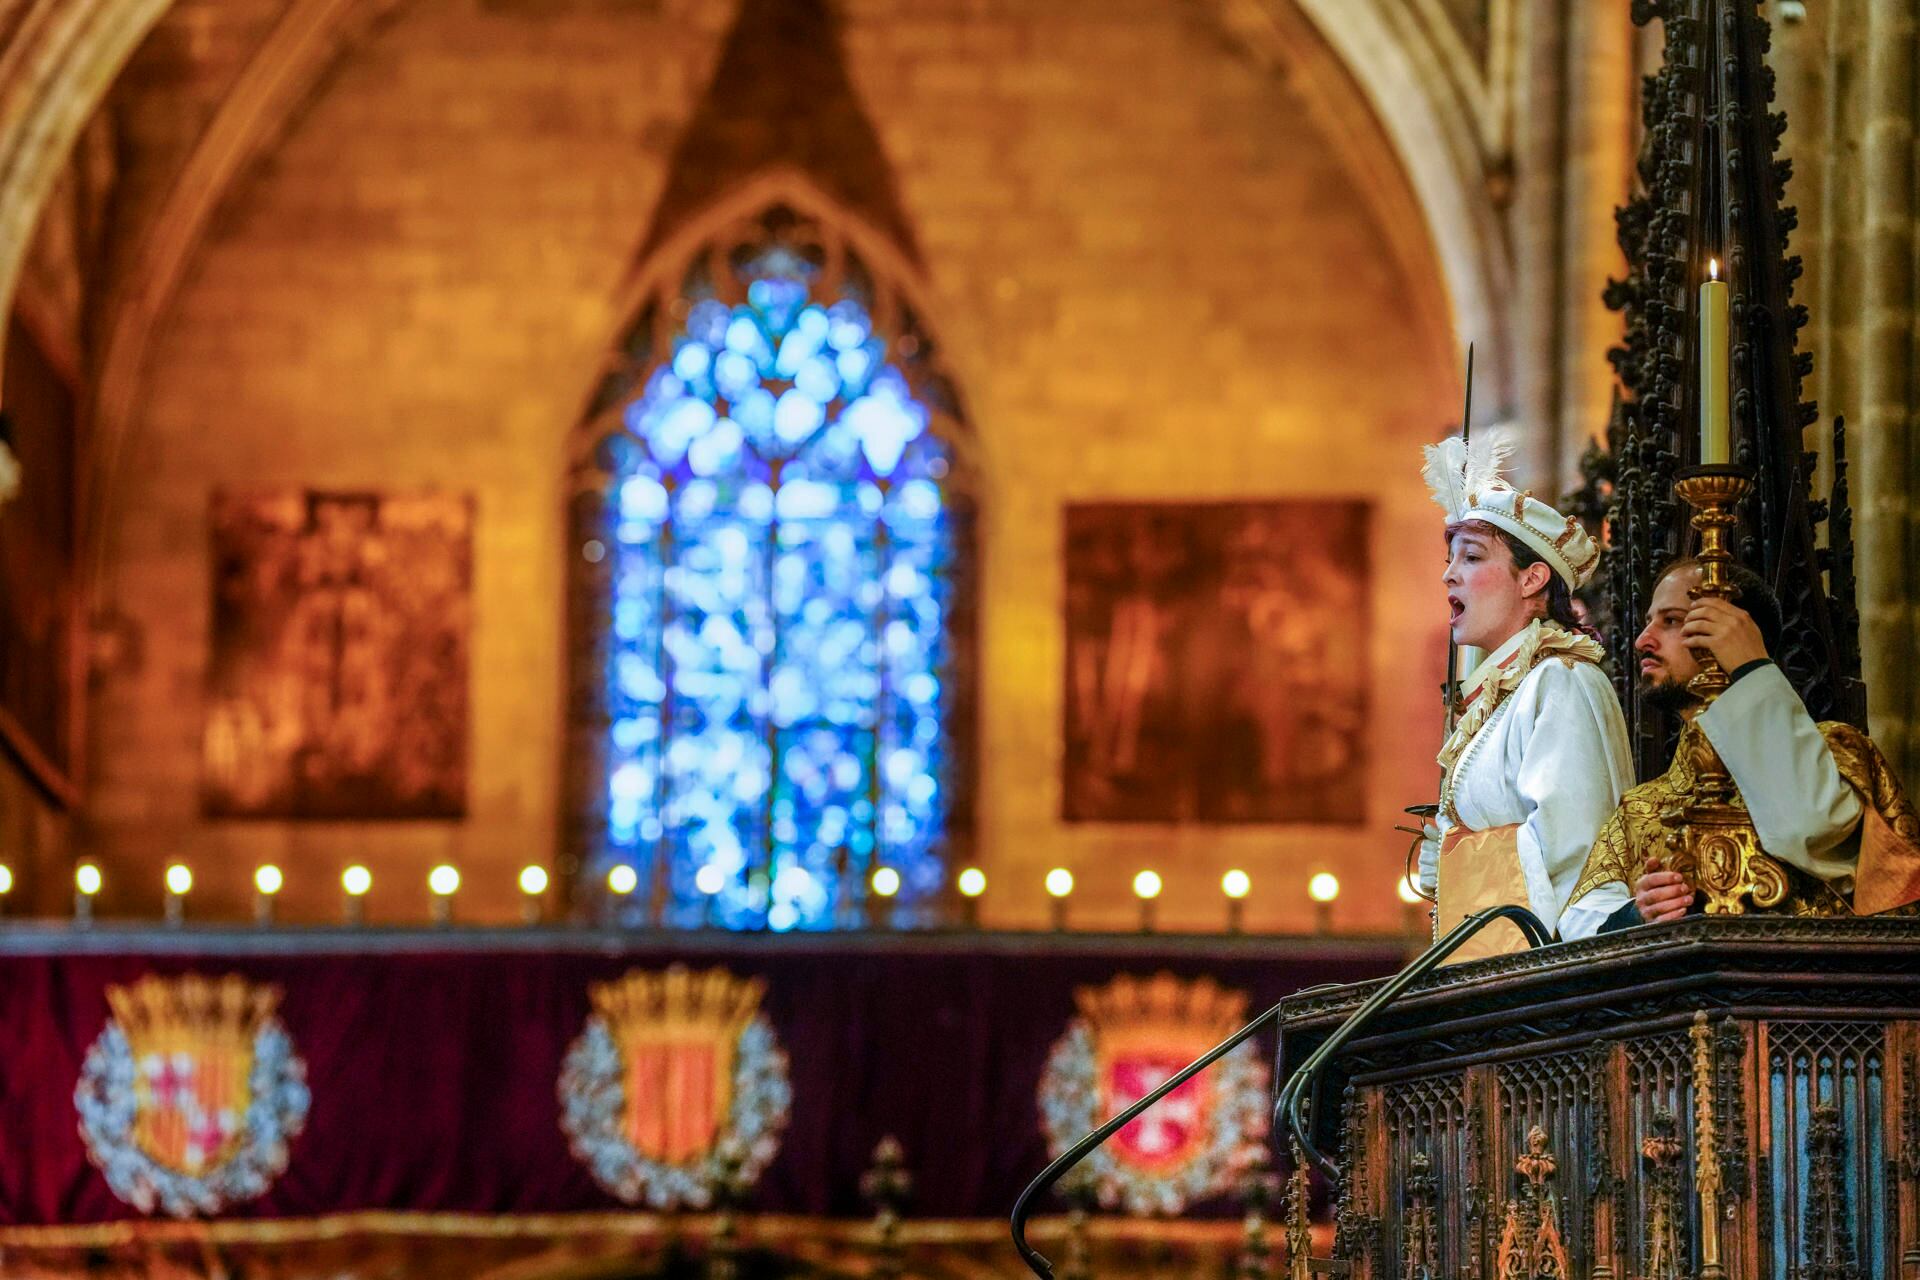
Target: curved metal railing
[[1293, 1106], [1024, 1206]]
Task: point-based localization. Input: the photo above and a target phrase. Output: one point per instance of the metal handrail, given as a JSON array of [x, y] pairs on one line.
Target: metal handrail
[[1290, 1105], [1023, 1207], [1293, 1107]]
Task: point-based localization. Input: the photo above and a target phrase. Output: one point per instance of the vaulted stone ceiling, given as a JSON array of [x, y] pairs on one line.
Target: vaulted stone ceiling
[[202, 97], [206, 94]]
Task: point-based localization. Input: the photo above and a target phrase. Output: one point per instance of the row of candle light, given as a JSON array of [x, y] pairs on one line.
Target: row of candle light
[[443, 881]]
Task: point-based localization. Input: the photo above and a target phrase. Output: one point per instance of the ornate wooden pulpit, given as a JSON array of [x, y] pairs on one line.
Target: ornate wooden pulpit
[[1734, 1097], [1726, 1097]]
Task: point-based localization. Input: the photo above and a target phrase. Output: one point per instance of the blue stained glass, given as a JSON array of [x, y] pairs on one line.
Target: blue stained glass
[[853, 367], [745, 337], [716, 451], [781, 568], [735, 375], [754, 413], [707, 321], [796, 416], [817, 379], [678, 425], [692, 361]]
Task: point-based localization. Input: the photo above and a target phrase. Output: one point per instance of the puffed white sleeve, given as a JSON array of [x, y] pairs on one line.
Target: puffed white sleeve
[[1802, 809], [1583, 919], [1574, 767]]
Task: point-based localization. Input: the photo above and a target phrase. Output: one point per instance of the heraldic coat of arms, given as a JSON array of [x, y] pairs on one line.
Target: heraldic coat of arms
[[192, 1092], [675, 1084], [1131, 1035]]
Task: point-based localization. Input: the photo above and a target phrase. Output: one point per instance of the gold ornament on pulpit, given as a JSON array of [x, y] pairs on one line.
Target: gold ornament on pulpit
[[1706, 1152], [1530, 1246], [1299, 1227], [1711, 840]]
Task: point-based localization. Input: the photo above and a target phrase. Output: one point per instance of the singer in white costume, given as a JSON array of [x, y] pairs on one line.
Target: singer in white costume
[[1538, 758]]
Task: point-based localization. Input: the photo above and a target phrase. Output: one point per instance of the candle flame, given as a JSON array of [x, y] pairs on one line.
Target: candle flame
[[1713, 267]]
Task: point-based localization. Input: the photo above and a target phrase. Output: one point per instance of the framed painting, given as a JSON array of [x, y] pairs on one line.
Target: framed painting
[[337, 681], [1216, 662]]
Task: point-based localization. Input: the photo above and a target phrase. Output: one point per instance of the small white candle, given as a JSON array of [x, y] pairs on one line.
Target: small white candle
[[1716, 438]]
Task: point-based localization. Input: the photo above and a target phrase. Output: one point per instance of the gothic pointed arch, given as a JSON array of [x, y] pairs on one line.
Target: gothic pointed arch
[[770, 539], [57, 60]]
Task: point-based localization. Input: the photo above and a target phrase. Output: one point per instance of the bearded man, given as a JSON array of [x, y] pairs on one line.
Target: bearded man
[[1821, 799]]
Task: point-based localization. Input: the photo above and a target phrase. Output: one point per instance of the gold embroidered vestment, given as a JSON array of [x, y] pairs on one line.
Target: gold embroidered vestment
[[1887, 839]]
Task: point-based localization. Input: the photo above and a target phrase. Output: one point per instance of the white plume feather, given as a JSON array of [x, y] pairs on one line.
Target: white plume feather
[[1487, 459], [1457, 470], [1445, 472]]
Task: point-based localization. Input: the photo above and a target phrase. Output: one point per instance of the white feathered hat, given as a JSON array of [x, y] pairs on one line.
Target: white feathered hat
[[1466, 482]]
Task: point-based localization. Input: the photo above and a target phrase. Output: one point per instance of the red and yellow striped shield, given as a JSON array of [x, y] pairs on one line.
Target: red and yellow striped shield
[[678, 1035], [192, 1042]]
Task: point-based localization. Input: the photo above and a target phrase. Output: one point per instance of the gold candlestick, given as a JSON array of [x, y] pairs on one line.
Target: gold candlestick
[[1712, 492], [1711, 838]]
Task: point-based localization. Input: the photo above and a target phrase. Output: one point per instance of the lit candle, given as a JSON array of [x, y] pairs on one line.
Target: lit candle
[[973, 883], [444, 881], [882, 885], [1236, 884], [1059, 888], [1323, 889], [267, 881], [179, 885], [356, 881], [86, 885], [709, 880], [533, 885], [1419, 922], [1716, 440], [1146, 887]]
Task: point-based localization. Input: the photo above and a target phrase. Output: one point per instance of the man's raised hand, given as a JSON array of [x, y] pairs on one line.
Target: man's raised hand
[[1724, 629], [1662, 895]]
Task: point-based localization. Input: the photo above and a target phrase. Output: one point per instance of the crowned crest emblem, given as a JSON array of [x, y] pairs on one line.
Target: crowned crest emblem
[[675, 1082], [1130, 1037], [192, 1092]]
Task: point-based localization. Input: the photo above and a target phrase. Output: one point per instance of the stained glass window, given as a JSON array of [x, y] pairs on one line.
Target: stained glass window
[[776, 551]]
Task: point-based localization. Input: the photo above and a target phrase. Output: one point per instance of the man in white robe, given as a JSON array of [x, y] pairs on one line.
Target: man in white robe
[[1820, 798]]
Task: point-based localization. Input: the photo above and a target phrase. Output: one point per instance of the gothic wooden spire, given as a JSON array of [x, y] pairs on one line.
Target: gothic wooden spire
[[1711, 187]]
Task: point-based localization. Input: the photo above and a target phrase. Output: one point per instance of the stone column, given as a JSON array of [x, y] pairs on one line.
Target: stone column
[[1887, 486], [1845, 77], [1846, 73], [1575, 114], [1601, 113], [1537, 221]]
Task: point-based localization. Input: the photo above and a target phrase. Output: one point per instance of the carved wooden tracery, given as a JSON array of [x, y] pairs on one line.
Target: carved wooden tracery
[[1428, 1151], [1826, 1100], [1710, 187], [1737, 1097]]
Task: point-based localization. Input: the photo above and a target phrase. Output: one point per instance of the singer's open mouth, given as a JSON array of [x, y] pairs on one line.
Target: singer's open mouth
[[1457, 608]]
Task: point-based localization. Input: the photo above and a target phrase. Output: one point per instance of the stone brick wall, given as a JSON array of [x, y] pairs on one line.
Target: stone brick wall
[[1153, 280], [1846, 76]]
